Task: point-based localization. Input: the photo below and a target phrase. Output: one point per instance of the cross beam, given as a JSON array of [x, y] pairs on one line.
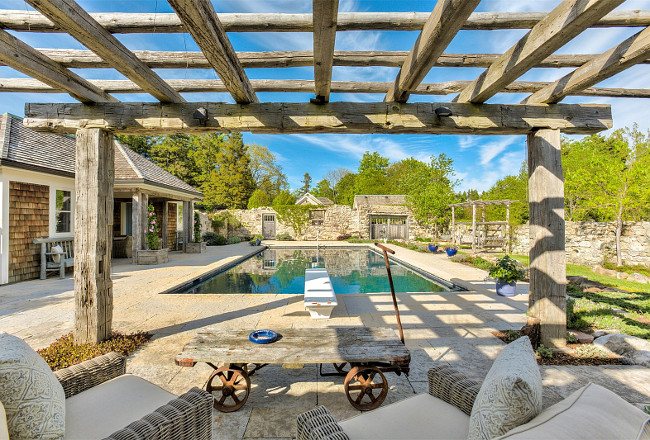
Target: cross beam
[[338, 117]]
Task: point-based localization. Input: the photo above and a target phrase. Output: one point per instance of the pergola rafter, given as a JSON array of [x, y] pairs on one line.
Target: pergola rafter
[[541, 122]]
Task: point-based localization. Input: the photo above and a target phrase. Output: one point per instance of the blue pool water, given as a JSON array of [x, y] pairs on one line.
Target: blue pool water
[[283, 271]]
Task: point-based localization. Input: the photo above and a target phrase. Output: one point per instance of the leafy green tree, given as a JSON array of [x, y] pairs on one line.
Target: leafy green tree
[[141, 144], [510, 188], [608, 178], [333, 178], [306, 185], [345, 189], [230, 184], [267, 173], [323, 189], [373, 174], [284, 198], [258, 199]]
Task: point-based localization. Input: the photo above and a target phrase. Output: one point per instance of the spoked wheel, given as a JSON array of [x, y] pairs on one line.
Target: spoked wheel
[[340, 368], [366, 387], [230, 388]]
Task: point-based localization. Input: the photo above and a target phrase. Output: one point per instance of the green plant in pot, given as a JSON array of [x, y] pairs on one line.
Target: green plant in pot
[[506, 272]]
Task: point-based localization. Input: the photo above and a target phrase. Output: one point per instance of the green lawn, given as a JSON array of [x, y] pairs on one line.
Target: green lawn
[[591, 315]]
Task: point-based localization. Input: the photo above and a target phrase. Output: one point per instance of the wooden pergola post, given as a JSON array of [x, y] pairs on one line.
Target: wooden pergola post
[[547, 299], [165, 223], [188, 223], [473, 228], [507, 234], [453, 225], [93, 235]]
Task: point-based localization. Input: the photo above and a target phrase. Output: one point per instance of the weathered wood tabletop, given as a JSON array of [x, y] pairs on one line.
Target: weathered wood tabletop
[[297, 346]]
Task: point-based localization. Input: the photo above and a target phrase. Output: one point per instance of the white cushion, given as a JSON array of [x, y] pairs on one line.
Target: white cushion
[[4, 430], [511, 393], [592, 412], [100, 411], [32, 396], [419, 417], [56, 257]]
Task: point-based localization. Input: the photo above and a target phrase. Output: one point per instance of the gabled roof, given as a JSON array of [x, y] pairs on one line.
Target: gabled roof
[[378, 200], [22, 147], [310, 199], [325, 200]]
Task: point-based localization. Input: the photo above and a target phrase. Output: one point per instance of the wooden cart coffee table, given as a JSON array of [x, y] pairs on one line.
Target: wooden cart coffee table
[[370, 352]]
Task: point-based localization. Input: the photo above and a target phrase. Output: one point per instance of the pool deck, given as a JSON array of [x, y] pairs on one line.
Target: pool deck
[[447, 326]]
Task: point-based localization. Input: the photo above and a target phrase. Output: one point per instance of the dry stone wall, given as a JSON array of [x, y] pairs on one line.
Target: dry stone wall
[[590, 243]]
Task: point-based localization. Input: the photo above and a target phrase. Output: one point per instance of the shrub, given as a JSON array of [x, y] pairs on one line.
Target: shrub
[[512, 335], [234, 240], [221, 240], [545, 352], [64, 352], [571, 338], [253, 240], [284, 237], [590, 351], [210, 238], [343, 237], [507, 270]]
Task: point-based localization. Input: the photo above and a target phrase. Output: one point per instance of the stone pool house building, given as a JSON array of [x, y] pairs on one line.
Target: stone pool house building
[[37, 193]]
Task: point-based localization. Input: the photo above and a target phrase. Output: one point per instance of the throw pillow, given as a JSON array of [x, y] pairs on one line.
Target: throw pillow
[[56, 257], [33, 398], [510, 395]]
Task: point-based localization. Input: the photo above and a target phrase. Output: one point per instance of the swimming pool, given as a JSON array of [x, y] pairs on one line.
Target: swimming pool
[[282, 271]]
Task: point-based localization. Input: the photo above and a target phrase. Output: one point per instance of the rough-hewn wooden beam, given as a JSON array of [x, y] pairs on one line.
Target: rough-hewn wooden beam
[[75, 58], [306, 86], [620, 57], [25, 59], [442, 26], [78, 23], [561, 25], [200, 19], [336, 117], [324, 19], [125, 23]]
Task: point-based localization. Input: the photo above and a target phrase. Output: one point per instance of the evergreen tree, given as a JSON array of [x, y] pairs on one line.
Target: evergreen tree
[[323, 189], [258, 199], [284, 198], [306, 185]]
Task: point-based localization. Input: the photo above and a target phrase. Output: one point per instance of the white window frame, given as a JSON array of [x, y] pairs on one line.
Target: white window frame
[[53, 190]]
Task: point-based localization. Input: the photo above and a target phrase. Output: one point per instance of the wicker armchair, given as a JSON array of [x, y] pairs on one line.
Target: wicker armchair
[[186, 417], [445, 383]]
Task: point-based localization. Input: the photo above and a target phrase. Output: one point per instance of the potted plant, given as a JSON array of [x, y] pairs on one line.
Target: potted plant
[[451, 251], [196, 246], [506, 272], [256, 240], [153, 254], [433, 247]]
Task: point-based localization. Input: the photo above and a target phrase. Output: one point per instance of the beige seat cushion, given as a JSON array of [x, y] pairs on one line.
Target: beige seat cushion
[[592, 412], [4, 430], [418, 417], [100, 411], [510, 395]]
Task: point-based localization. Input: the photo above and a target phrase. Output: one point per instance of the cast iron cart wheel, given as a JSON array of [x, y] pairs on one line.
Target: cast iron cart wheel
[[366, 387], [230, 388], [340, 368]]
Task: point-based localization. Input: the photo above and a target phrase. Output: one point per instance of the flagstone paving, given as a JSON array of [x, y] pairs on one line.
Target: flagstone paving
[[445, 326]]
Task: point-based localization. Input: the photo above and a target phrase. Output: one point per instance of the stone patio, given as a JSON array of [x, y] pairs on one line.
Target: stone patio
[[451, 326]]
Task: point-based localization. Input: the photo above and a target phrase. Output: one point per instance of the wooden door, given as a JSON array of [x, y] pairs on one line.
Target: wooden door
[[268, 226]]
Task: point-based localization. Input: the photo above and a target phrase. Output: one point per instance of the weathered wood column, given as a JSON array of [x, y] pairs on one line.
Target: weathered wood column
[[188, 216], [453, 225], [507, 235], [473, 228], [165, 223], [547, 300], [93, 235]]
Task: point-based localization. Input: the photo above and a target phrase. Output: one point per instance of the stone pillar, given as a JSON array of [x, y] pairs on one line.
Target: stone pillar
[[165, 223], [93, 235], [547, 300]]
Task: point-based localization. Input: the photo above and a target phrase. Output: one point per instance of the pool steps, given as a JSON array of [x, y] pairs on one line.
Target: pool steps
[[320, 299]]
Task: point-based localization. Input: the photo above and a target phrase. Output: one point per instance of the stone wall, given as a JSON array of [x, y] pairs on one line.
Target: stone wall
[[590, 243], [29, 218]]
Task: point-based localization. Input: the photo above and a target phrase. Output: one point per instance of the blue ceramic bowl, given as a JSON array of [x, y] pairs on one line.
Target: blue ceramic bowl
[[263, 336], [433, 248], [451, 252]]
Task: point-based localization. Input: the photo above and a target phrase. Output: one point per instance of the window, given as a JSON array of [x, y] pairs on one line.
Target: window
[[317, 217], [63, 211]]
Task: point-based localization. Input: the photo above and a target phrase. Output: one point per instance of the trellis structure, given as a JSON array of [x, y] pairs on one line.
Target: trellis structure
[[504, 226], [98, 115]]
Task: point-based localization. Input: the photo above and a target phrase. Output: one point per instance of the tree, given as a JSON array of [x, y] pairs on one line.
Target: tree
[[258, 199], [267, 173], [510, 188], [345, 189], [373, 177], [141, 144], [333, 177], [284, 198], [608, 178], [323, 189], [306, 185], [230, 184]]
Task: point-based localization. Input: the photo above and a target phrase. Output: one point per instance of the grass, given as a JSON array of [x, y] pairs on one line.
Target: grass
[[590, 315], [636, 268]]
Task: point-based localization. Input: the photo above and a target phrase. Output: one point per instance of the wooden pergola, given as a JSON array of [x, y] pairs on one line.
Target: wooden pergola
[[503, 225], [99, 115]]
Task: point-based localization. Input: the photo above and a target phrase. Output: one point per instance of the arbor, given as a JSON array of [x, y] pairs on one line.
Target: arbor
[[373, 176], [258, 199], [267, 173], [608, 178]]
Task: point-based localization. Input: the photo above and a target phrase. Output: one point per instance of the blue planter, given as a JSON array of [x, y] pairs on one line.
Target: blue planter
[[506, 289], [433, 248], [451, 252]]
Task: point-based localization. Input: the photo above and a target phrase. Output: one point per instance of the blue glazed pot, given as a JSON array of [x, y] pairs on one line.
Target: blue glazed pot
[[263, 336], [506, 289], [433, 248], [451, 252]]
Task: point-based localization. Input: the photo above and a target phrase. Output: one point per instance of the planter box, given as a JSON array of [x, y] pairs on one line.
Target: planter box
[[196, 248], [506, 289], [157, 256]]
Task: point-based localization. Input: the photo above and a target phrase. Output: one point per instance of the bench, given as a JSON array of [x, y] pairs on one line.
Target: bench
[[319, 294], [56, 259]]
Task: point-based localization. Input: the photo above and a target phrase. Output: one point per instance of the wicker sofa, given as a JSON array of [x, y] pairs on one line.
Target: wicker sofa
[[592, 412], [101, 401]]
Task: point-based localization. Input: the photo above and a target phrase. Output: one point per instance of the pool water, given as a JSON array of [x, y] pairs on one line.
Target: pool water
[[282, 271]]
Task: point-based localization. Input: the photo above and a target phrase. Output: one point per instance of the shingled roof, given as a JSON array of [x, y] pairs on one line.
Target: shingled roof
[[377, 200], [55, 154]]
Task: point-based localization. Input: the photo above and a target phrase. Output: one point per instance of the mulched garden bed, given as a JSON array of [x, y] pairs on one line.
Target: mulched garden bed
[[560, 358]]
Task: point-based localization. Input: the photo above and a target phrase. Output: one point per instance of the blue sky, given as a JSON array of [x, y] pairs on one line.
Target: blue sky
[[479, 160]]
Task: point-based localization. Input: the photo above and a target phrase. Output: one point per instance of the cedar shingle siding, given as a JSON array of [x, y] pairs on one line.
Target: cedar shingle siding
[[171, 227], [29, 218]]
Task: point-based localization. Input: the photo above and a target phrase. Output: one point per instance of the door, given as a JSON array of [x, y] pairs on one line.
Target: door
[[268, 226], [389, 228]]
